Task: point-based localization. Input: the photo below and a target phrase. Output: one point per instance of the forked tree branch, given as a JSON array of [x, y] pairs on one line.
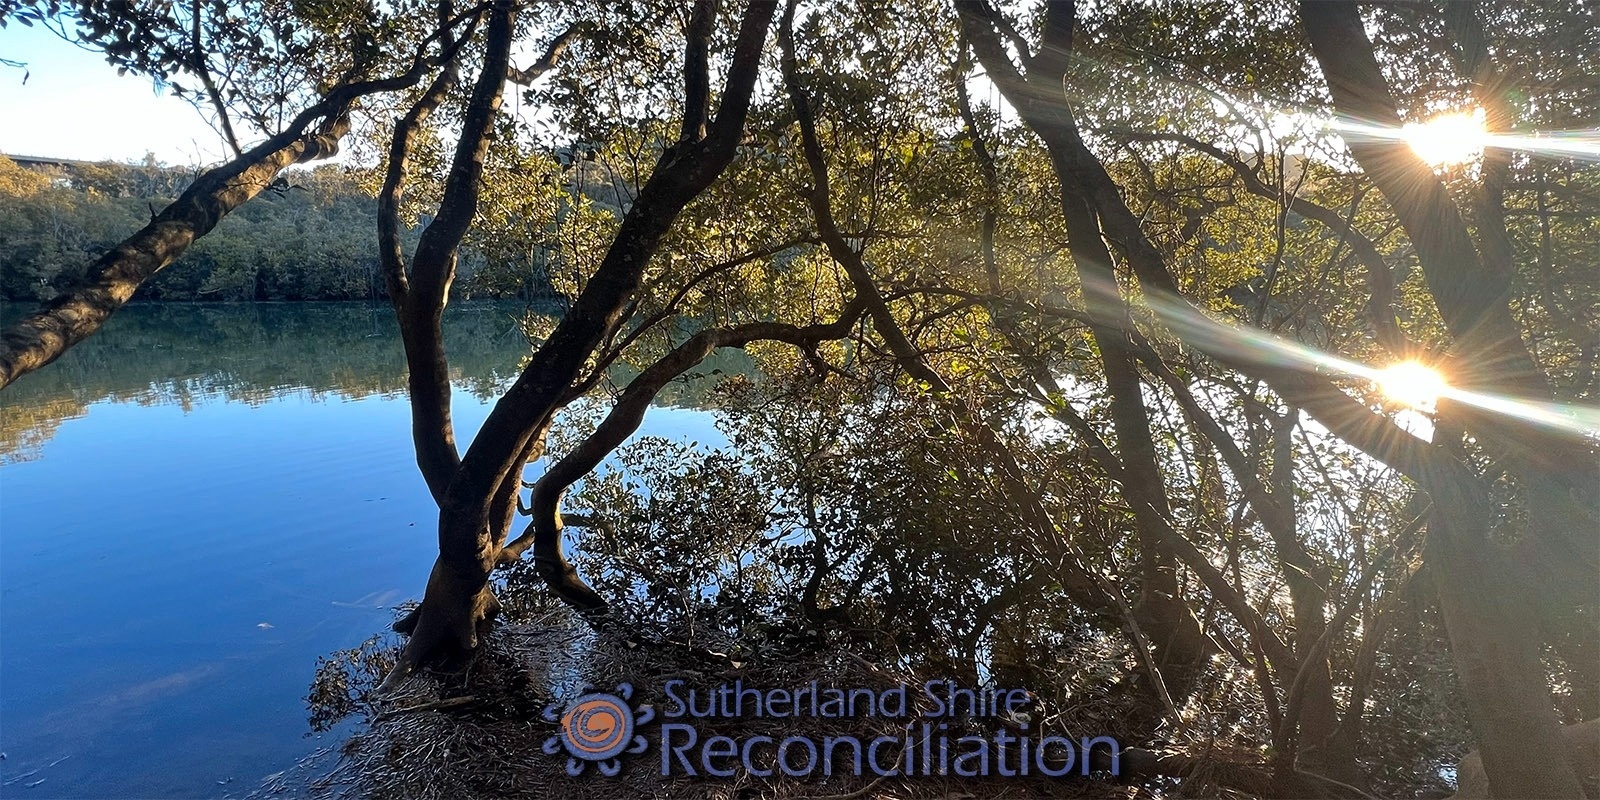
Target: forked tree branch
[[426, 290], [458, 598]]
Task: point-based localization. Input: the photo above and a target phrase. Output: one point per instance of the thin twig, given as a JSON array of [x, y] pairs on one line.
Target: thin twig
[[435, 705]]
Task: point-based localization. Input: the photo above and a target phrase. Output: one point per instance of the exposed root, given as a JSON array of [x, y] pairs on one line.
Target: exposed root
[[408, 623], [563, 579], [445, 629]]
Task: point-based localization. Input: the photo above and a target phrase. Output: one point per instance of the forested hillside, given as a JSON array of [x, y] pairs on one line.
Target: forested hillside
[[313, 237]]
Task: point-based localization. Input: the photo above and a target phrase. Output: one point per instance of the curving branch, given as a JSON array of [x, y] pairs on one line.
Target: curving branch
[[419, 296], [391, 255], [433, 268], [543, 534], [197, 62], [544, 381], [427, 371], [839, 247], [552, 55], [986, 168], [612, 351]]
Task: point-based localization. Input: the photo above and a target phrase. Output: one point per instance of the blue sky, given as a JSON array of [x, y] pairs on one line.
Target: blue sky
[[74, 105]]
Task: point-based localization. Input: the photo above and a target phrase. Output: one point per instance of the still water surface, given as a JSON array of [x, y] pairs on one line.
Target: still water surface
[[195, 504]]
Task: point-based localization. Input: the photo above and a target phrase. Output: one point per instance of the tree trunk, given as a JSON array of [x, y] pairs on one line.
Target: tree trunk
[[72, 316], [469, 543], [1493, 625], [1182, 646], [1496, 648]]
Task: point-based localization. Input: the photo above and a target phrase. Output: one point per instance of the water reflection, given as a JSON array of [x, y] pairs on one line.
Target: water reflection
[[182, 355], [255, 353], [196, 504]]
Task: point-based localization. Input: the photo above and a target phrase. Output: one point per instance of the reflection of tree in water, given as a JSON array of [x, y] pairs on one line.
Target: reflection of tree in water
[[257, 351], [836, 530], [825, 544], [254, 353], [25, 427]]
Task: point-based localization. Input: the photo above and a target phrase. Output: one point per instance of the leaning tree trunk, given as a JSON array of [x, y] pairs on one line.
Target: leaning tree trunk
[[73, 316], [458, 600], [1183, 647]]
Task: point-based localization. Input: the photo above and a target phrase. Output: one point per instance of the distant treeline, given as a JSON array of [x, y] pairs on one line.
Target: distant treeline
[[183, 354], [311, 237]]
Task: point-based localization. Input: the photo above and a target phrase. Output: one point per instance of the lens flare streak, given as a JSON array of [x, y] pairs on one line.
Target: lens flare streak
[[1455, 141], [1209, 334]]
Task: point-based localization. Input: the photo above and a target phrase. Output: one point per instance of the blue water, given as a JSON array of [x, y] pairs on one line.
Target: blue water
[[176, 550]]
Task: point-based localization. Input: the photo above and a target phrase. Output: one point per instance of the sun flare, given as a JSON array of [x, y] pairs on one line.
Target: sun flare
[[1448, 138], [1412, 384]]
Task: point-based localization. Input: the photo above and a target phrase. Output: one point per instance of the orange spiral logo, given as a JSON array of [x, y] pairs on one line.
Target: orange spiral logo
[[597, 726]]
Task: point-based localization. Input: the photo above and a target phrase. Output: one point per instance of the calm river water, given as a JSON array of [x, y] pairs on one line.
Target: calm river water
[[195, 504]]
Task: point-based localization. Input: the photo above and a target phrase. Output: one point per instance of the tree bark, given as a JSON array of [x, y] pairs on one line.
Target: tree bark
[[419, 313], [468, 547], [1493, 634]]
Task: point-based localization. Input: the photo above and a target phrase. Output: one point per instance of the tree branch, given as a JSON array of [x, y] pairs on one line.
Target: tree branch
[[544, 532], [421, 308], [73, 316], [552, 54], [697, 71], [198, 64]]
